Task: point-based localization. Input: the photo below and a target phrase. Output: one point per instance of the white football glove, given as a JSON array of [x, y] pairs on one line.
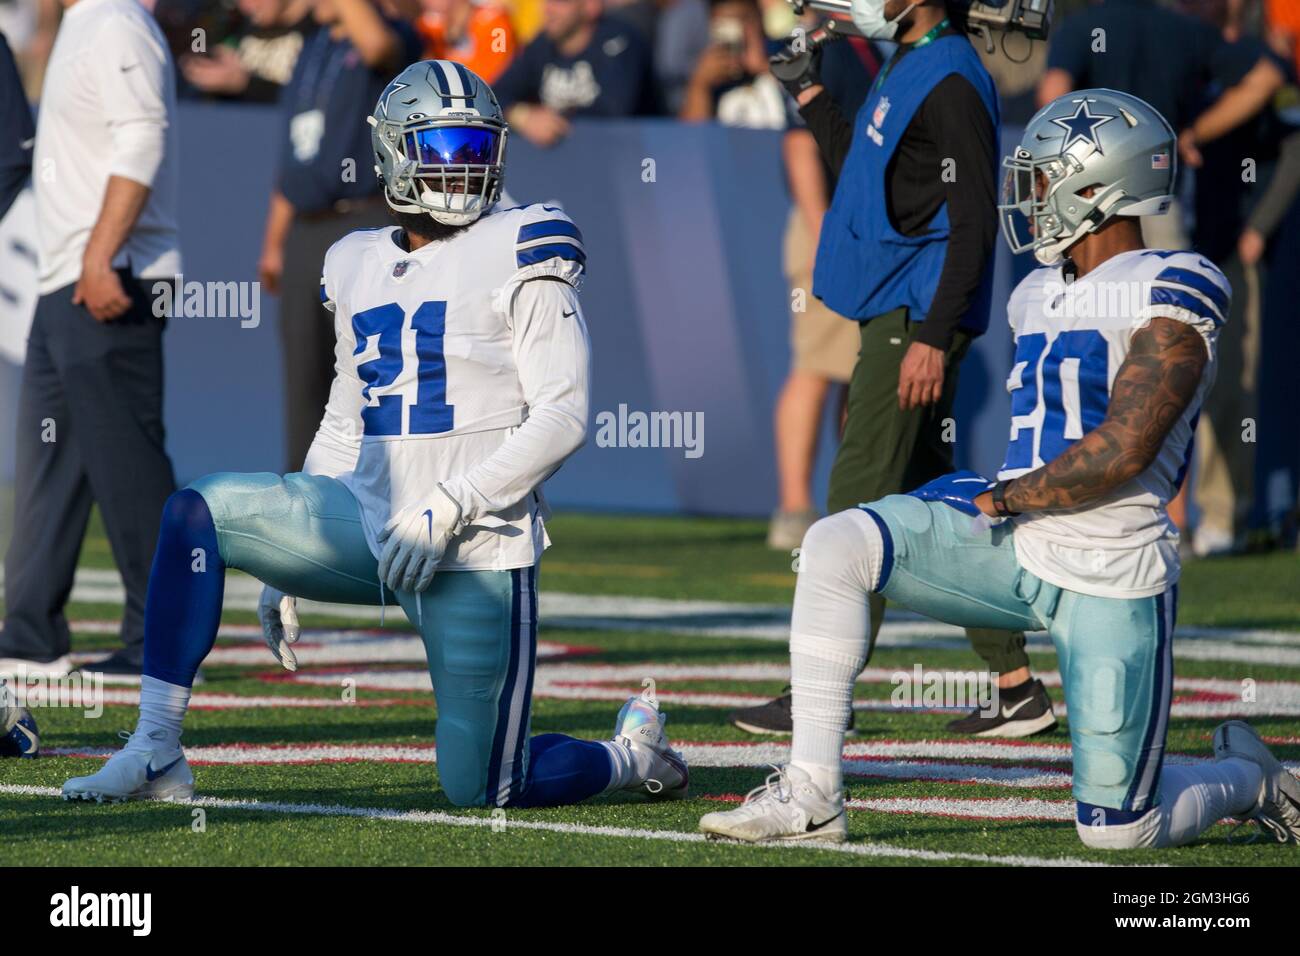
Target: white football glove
[[278, 613], [414, 540]]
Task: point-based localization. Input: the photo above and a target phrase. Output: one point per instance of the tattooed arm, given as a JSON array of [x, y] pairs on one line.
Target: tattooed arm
[[1151, 391]]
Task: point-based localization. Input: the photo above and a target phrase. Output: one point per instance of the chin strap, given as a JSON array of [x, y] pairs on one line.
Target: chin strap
[[1056, 249]]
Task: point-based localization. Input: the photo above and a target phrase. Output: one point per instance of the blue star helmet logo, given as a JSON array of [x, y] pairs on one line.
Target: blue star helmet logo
[[396, 86], [1082, 126]]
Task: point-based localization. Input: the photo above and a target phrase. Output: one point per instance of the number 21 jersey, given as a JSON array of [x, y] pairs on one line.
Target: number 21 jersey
[[443, 353]]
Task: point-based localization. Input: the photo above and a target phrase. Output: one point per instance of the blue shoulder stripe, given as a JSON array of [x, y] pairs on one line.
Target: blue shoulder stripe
[[547, 228], [324, 296], [1198, 281], [1163, 295], [558, 250]]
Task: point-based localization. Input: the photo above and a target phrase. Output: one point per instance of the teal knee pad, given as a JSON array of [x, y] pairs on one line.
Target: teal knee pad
[[1105, 749]]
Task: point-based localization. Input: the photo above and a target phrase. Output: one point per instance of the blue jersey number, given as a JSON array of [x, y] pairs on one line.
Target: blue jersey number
[[1088, 391], [430, 414]]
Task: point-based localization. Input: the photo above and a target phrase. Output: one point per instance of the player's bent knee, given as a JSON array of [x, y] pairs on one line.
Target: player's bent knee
[[463, 793], [1100, 828], [462, 765], [187, 511], [231, 492], [847, 546]]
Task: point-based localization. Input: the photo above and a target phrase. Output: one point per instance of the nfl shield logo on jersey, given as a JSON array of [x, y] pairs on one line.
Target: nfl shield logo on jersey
[[400, 269], [878, 115]]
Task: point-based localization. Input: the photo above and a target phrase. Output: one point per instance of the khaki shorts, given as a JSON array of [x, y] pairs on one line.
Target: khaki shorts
[[822, 342]]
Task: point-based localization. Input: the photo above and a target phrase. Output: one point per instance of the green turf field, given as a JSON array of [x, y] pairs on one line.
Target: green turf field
[[342, 781]]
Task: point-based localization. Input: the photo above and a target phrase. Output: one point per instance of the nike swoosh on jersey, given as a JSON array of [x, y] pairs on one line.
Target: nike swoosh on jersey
[[152, 774]]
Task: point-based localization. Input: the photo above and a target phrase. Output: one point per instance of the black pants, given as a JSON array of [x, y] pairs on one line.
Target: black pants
[[89, 429], [306, 328]]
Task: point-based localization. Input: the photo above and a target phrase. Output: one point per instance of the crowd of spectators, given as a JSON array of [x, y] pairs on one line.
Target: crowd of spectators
[[562, 59]]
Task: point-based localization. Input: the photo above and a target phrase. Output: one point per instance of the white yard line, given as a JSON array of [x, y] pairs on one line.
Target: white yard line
[[513, 822], [768, 622]]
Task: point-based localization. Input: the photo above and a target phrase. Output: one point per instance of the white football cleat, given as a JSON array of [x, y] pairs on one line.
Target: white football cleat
[[789, 806], [661, 771], [142, 770], [1278, 810]]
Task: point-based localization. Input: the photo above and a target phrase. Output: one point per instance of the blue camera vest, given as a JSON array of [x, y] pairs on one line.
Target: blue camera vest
[[864, 267]]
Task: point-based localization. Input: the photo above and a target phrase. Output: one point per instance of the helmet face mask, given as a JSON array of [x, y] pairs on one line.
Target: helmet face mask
[[440, 141], [1085, 158]]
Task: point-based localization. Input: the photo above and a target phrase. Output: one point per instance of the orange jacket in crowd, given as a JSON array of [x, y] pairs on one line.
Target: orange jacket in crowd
[[1284, 17], [487, 47]]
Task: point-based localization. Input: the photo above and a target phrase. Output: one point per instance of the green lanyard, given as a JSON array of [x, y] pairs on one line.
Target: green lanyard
[[931, 35]]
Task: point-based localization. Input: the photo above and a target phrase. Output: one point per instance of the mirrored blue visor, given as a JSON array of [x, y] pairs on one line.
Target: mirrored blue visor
[[453, 146]]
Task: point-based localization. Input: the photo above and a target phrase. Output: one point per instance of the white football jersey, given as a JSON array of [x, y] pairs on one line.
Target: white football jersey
[[1071, 340], [457, 363]]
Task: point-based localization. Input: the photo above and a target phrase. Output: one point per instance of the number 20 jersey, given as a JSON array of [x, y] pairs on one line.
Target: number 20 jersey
[[1071, 340], [427, 368]]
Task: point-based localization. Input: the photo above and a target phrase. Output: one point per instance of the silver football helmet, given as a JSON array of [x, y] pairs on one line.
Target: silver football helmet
[[1111, 142], [440, 142]]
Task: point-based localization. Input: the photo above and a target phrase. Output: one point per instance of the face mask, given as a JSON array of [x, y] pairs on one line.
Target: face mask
[[869, 17]]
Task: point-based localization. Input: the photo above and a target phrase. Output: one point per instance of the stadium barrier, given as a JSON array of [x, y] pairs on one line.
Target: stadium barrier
[[685, 299]]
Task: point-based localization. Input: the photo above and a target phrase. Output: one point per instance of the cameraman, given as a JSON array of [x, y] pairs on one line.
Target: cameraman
[[906, 251]]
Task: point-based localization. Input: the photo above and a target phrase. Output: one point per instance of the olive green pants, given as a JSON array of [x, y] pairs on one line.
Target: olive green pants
[[888, 451]]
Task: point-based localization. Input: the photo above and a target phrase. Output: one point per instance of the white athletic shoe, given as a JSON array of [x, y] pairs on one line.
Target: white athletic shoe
[[1278, 810], [661, 770], [141, 770], [59, 667], [789, 806]]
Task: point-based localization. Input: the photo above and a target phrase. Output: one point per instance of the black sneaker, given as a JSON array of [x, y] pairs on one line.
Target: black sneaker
[[772, 717], [117, 668], [1024, 717]]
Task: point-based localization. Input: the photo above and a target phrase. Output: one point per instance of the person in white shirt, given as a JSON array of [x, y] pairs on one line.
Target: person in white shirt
[[90, 418], [460, 385]]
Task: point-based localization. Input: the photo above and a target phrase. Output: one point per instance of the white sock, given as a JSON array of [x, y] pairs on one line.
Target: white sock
[[622, 764], [1192, 799], [821, 682], [1197, 796], [162, 707], [830, 626], [839, 563]]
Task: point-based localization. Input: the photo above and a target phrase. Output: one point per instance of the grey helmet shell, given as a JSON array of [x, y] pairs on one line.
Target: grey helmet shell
[[1113, 142], [427, 95]]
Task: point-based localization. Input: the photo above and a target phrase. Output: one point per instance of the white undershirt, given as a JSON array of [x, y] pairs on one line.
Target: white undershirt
[[107, 109]]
